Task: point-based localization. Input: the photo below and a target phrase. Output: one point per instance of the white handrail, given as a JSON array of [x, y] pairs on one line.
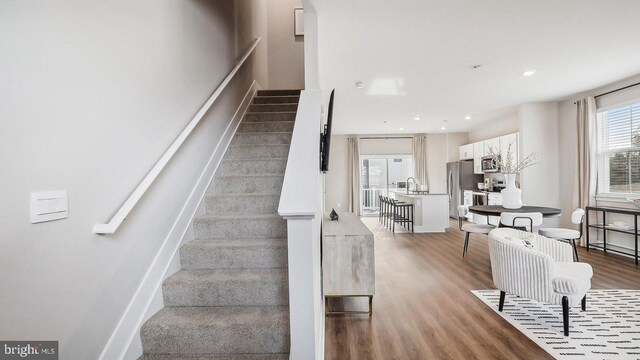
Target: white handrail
[[301, 186], [130, 203]]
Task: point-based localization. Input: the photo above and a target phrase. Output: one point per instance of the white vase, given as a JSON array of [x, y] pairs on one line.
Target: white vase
[[511, 195]]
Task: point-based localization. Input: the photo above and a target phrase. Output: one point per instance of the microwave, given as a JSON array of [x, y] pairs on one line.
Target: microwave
[[489, 165]]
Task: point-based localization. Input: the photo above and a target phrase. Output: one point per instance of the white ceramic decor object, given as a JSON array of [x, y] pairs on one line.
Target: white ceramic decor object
[[511, 195]]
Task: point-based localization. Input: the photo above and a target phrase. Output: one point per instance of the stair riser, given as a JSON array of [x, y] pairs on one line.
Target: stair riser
[[242, 204], [242, 339], [275, 116], [205, 258], [258, 292], [262, 139], [278, 92], [252, 167], [272, 107], [207, 228], [248, 185], [273, 126], [257, 152], [276, 99]]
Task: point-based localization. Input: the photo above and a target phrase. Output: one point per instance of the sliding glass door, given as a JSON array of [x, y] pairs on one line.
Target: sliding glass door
[[380, 175]]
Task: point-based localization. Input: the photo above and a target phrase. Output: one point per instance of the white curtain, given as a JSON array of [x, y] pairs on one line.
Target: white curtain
[[354, 176], [420, 160], [585, 180]]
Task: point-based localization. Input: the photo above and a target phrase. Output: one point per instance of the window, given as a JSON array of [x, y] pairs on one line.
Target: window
[[618, 131], [381, 174]]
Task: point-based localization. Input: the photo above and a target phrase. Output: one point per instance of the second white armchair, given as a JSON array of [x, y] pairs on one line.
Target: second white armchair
[[539, 268]]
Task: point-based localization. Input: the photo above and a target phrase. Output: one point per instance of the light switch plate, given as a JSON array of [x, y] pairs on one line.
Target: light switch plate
[[48, 206]]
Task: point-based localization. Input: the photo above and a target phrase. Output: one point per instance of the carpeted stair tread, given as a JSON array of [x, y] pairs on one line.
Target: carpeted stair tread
[[266, 99], [282, 92], [243, 203], [234, 254], [273, 107], [259, 226], [255, 151], [266, 126], [217, 330], [270, 116], [260, 183], [260, 138], [227, 287]]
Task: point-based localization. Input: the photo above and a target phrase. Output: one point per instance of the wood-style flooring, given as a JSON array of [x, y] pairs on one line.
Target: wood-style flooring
[[423, 307]]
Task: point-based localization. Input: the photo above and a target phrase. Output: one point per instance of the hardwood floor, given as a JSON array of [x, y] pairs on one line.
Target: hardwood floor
[[423, 308]]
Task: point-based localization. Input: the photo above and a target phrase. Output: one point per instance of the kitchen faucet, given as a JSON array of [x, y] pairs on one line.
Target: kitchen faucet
[[414, 184]]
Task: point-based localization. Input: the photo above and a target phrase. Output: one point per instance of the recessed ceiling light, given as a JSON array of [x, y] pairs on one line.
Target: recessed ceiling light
[[443, 128], [401, 129], [467, 117], [417, 118], [359, 84], [529, 72]]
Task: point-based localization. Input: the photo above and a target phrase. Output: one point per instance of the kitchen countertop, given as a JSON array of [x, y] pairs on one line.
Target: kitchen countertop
[[404, 193], [484, 191]]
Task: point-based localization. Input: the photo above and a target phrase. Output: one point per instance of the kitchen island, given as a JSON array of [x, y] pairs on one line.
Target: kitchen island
[[431, 210]]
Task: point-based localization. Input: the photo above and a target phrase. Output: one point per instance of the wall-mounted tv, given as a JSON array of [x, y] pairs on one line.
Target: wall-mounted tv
[[325, 137]]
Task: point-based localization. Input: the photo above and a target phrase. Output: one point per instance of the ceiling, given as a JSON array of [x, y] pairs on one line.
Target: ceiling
[[415, 58]]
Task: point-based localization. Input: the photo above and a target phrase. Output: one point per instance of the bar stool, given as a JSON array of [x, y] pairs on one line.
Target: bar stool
[[403, 214], [380, 208]]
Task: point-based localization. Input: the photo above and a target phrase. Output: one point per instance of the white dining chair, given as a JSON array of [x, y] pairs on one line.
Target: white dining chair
[[569, 235], [524, 220], [470, 228]]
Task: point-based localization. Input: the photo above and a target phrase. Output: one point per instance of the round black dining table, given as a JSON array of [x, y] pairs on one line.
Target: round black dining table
[[496, 210]]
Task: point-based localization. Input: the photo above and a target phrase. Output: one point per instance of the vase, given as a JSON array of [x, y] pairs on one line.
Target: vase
[[511, 195]]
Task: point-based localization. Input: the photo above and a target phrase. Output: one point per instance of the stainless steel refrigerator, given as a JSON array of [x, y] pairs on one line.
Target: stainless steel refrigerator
[[460, 177]]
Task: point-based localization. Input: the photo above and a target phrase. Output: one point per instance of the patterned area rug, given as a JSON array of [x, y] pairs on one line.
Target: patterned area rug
[[609, 329]]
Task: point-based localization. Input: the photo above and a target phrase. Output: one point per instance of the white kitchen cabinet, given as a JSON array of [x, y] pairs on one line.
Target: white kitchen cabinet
[[505, 141], [491, 144], [466, 152], [478, 152]]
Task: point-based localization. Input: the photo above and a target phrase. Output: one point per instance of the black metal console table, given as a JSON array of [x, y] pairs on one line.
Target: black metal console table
[[613, 248]]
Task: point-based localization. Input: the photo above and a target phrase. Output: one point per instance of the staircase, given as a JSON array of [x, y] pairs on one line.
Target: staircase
[[230, 300]]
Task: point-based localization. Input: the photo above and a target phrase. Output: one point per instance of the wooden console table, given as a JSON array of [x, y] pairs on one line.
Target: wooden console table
[[348, 261], [613, 248]]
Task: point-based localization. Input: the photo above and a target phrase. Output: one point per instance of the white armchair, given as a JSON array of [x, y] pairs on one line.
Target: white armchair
[[535, 267]]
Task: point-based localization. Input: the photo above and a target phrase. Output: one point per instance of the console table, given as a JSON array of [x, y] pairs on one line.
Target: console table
[[348, 261], [613, 248]]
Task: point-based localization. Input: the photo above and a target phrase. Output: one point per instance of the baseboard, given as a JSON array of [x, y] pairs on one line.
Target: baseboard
[[124, 342]]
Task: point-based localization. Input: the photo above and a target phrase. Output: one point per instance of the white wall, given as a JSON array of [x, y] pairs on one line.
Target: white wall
[[92, 94], [286, 51], [437, 156], [311, 74], [499, 126], [539, 134]]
